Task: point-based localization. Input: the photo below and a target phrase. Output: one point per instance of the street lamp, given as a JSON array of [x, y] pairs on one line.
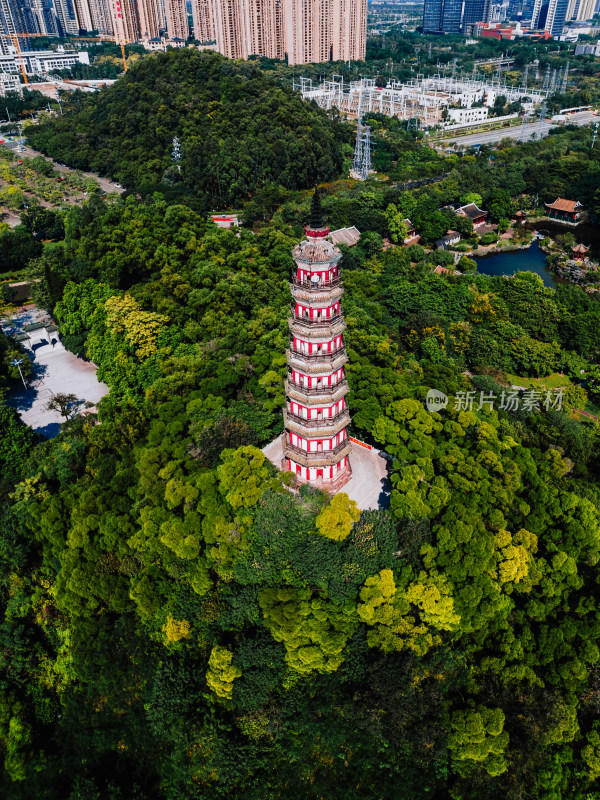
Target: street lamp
[[17, 364]]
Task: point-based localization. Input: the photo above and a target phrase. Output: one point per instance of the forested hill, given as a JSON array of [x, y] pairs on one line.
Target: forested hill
[[238, 129]]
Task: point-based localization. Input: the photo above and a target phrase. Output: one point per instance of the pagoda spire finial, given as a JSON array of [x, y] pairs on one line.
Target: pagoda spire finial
[[316, 227]]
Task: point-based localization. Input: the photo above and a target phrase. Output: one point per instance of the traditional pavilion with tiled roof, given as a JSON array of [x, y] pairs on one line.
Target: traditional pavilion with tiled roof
[[579, 251], [568, 211], [472, 212], [412, 237]]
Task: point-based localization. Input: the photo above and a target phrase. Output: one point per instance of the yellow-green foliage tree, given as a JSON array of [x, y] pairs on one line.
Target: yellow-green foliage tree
[[176, 629], [478, 739], [221, 672], [243, 476], [406, 618], [314, 630], [140, 328], [337, 518], [591, 752]]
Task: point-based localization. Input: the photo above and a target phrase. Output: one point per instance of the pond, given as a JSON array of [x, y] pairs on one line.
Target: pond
[[530, 260]]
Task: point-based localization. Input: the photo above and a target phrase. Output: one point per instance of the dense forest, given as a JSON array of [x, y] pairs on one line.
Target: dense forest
[[240, 127], [174, 622]]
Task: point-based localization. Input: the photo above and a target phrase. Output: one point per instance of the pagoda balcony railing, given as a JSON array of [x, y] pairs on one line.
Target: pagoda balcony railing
[[325, 355], [343, 418], [313, 457], [316, 286], [322, 322], [316, 390]]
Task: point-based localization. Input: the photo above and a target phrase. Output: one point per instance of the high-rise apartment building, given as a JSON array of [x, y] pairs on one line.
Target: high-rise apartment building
[[550, 15], [203, 20], [124, 21], [304, 31], [442, 16], [581, 10], [11, 20], [67, 18], [84, 15], [177, 19], [148, 18], [229, 28], [475, 11], [39, 16], [101, 16]]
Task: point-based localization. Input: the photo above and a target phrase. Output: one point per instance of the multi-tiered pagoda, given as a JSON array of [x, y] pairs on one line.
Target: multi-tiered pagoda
[[316, 445]]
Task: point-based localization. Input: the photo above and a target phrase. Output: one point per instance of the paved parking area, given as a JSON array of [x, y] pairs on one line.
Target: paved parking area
[[56, 370]]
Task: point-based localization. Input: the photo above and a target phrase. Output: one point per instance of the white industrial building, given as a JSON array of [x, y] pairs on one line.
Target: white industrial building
[[9, 82], [462, 116], [41, 62]]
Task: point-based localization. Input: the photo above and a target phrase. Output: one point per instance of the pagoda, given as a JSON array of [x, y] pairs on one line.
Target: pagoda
[[316, 446]]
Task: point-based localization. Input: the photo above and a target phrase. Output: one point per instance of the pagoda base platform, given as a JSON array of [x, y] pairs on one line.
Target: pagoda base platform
[[368, 484]]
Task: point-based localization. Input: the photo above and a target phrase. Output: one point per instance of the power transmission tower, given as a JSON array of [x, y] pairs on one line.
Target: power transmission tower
[[594, 136], [546, 82], [553, 82], [366, 154], [543, 112], [565, 77], [357, 160], [361, 163], [176, 151], [429, 55], [413, 124], [525, 75]]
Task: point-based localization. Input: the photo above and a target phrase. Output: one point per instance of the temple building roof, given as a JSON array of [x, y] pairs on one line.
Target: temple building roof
[[560, 204], [347, 236], [580, 248], [471, 211]]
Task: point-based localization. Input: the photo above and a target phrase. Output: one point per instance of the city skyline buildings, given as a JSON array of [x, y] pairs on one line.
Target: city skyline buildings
[[303, 31], [442, 16], [299, 31]]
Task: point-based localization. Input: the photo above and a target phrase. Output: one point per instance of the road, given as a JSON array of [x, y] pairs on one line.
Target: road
[[521, 133], [105, 183]]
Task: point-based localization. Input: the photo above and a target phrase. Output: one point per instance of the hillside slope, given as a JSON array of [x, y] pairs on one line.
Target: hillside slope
[[238, 129]]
